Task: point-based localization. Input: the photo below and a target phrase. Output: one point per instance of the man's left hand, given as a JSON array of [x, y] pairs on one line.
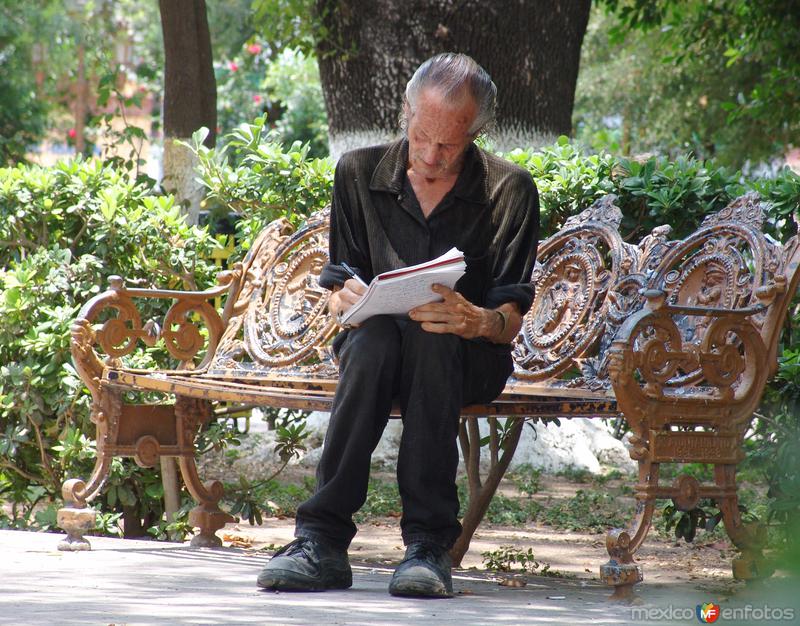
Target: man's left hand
[[455, 315]]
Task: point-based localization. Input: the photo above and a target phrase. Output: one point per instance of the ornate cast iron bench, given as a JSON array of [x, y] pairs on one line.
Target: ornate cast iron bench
[[679, 337]]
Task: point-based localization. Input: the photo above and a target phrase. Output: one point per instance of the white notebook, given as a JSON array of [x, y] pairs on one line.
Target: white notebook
[[396, 292]]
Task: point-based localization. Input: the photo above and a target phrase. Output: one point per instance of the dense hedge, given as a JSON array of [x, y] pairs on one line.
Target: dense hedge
[[63, 231]]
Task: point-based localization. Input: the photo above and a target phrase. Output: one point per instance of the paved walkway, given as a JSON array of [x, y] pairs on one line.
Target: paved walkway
[[142, 582]]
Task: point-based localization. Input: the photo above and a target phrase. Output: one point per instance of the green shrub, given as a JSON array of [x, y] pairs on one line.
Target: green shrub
[[650, 192], [63, 231], [283, 85], [255, 177], [293, 81], [568, 179], [679, 193]]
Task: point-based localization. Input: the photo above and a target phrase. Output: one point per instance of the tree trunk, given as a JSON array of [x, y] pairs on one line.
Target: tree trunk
[[371, 48], [190, 94]]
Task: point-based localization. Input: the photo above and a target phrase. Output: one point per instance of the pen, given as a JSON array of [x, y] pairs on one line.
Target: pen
[[351, 272]]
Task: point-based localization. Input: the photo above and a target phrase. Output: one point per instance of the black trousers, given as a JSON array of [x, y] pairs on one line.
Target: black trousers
[[432, 376]]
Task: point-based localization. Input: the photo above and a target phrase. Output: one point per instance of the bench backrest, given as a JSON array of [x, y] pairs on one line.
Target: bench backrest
[[588, 282]]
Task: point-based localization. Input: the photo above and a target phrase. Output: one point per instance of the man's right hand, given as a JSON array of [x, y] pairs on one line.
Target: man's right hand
[[342, 299]]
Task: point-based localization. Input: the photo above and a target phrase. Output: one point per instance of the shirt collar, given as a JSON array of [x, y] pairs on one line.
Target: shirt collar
[[471, 184]]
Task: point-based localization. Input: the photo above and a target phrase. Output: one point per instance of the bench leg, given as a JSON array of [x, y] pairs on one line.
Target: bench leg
[[482, 492], [76, 518], [748, 538], [191, 415], [621, 571], [207, 516]]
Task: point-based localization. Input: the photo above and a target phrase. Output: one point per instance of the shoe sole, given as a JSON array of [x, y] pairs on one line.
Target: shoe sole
[[286, 580], [414, 588]]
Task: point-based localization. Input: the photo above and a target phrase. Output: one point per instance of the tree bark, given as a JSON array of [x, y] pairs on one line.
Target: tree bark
[[190, 94], [370, 48]]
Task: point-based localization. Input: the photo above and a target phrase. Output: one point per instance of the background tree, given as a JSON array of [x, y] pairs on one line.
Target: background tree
[[714, 77], [367, 51], [22, 114], [190, 94]]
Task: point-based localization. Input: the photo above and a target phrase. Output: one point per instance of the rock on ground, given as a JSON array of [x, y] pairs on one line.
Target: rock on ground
[[578, 443]]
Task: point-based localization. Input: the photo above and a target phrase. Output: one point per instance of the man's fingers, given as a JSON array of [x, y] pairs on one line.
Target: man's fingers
[[440, 329], [344, 298], [453, 301], [348, 296], [448, 294], [441, 314], [351, 284]]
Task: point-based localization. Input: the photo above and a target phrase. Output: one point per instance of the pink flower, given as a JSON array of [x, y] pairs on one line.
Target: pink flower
[[72, 133], [256, 98], [232, 66], [254, 48]]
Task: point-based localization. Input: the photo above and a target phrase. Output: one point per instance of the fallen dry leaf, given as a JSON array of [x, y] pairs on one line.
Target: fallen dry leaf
[[238, 541], [512, 582]]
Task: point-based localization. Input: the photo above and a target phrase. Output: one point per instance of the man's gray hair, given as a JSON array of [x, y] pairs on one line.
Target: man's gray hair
[[453, 75]]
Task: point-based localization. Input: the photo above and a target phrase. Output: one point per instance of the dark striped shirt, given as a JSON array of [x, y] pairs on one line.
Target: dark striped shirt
[[491, 214]]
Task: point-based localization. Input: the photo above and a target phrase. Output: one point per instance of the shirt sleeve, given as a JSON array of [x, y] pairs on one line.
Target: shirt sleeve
[[343, 244], [515, 246]]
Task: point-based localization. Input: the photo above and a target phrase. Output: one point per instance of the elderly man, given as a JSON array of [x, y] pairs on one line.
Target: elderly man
[[393, 206]]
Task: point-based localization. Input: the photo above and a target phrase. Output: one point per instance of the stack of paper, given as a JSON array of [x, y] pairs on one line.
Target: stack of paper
[[396, 292]]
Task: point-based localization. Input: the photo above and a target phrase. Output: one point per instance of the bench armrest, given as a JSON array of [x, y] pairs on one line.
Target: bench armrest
[[119, 335], [688, 365]]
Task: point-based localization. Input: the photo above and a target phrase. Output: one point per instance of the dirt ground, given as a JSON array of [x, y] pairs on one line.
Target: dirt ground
[[572, 554]]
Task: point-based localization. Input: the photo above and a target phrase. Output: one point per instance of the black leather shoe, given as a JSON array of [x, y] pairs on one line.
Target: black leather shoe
[[307, 565], [424, 572]]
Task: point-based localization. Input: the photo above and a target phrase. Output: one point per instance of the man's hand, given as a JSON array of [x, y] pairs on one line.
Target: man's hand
[[342, 299], [459, 316]]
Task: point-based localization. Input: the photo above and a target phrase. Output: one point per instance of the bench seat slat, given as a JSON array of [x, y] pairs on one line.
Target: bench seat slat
[[318, 397]]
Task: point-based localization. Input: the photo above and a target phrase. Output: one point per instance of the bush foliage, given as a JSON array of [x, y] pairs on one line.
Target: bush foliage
[[63, 231]]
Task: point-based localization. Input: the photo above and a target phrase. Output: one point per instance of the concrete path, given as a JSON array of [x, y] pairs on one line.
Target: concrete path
[[142, 582]]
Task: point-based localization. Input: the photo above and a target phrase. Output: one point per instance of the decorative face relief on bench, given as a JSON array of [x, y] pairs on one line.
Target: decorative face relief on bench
[[285, 322], [297, 298], [567, 288], [716, 276], [722, 265], [578, 270], [714, 359]]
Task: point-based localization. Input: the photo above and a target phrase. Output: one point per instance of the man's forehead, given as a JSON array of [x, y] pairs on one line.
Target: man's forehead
[[433, 103], [432, 97]]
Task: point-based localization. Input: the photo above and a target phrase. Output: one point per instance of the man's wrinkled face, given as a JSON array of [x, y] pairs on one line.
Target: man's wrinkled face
[[438, 134]]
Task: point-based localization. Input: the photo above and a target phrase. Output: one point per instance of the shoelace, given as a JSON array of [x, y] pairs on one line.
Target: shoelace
[[425, 552], [301, 544]]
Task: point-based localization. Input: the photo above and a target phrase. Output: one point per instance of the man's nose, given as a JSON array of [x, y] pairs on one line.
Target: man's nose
[[430, 154]]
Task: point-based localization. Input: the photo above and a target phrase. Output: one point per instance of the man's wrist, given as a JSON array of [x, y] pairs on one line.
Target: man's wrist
[[503, 318], [495, 324]]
